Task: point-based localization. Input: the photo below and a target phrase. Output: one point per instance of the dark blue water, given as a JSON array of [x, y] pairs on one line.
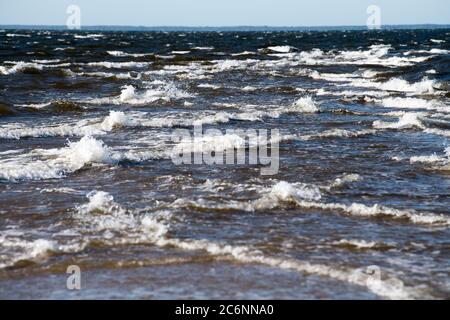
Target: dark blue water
[[358, 208]]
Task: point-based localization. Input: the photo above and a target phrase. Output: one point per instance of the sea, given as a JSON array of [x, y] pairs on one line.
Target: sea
[[357, 122]]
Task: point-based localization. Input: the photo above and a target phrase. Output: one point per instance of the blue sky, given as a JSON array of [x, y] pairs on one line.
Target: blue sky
[[224, 12]]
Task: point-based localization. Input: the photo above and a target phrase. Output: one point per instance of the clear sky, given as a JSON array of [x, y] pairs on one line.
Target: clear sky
[[224, 12]]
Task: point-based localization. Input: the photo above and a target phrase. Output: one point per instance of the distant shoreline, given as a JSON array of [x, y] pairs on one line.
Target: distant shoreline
[[224, 28]]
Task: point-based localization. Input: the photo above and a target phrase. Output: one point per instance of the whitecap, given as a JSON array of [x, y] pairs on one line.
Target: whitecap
[[125, 54], [281, 49], [338, 133], [17, 35], [92, 127], [244, 53], [438, 162], [59, 162], [209, 86], [437, 40], [203, 48], [363, 244], [19, 67], [180, 52], [425, 86], [307, 196], [210, 142], [129, 95], [119, 65], [413, 103], [304, 105], [88, 36], [407, 121]]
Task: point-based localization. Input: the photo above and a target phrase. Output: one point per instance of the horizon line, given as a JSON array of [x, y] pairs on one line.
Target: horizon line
[[86, 27]]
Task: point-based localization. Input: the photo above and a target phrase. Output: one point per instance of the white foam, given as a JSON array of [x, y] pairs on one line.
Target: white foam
[[249, 89], [119, 65], [129, 95], [28, 250], [439, 51], [304, 105], [439, 132], [374, 51], [35, 105], [434, 159], [86, 150], [413, 103], [244, 53], [154, 229], [427, 159], [353, 93], [44, 61], [375, 55], [19, 67], [332, 77], [207, 142], [306, 196], [396, 84], [338, 133], [226, 65], [363, 244], [59, 162], [358, 209], [388, 288], [345, 179], [14, 249], [92, 127], [209, 86], [180, 52], [407, 121], [313, 57], [118, 75], [284, 191], [88, 36], [59, 190], [125, 54], [281, 49], [102, 215], [115, 119], [17, 35], [18, 131], [425, 86], [63, 49], [102, 218], [203, 48], [369, 74]]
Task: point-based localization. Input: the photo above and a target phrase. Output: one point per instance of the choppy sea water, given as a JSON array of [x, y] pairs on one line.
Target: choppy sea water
[[358, 209]]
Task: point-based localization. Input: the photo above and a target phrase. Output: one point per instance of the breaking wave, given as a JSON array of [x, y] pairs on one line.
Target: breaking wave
[[407, 121], [304, 196], [437, 162], [304, 105], [164, 92], [60, 161], [115, 119], [102, 219]]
